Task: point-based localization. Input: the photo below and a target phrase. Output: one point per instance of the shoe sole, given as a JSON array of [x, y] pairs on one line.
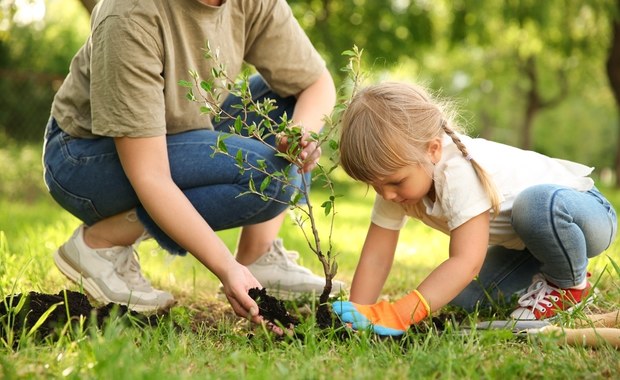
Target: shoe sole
[[92, 289]]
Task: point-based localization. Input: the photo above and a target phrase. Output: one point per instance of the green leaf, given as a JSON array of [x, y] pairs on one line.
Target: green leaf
[[221, 145], [334, 269], [207, 86], [184, 83], [262, 165], [265, 183], [296, 198], [238, 125], [327, 206], [239, 158]]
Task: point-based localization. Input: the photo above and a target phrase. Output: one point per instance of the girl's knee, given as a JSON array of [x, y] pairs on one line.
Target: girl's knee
[[534, 206]]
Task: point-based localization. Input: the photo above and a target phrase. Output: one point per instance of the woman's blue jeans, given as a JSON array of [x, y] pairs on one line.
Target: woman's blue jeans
[[86, 178], [562, 229]]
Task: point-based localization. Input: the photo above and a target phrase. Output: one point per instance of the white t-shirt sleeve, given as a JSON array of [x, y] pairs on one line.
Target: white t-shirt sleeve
[[461, 193], [388, 215]]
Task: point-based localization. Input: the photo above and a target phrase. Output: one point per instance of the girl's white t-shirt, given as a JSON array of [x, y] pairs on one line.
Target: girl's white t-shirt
[[460, 195]]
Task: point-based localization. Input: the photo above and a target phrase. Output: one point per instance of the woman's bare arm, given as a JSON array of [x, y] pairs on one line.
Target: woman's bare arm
[[145, 161]]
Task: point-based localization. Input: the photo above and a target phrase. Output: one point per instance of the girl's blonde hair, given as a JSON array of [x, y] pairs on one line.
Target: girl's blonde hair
[[388, 126]]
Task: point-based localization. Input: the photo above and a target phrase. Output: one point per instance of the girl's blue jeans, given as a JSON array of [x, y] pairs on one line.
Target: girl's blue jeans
[[562, 229], [86, 178]]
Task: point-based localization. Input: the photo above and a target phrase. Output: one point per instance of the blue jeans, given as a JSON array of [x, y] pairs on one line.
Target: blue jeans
[[86, 178], [562, 229]]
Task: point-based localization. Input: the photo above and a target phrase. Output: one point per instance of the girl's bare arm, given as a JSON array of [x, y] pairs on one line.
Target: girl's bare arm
[[374, 265], [468, 247]]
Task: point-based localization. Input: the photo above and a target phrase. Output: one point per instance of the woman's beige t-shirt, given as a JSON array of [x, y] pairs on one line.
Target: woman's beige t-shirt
[[460, 195], [124, 80]]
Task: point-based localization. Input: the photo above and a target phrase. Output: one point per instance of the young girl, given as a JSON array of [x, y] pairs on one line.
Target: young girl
[[515, 218]]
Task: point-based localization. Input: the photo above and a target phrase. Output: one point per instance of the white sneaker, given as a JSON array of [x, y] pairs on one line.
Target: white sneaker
[[278, 271], [109, 274]]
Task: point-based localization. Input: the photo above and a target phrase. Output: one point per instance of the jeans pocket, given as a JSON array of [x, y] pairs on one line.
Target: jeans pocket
[[80, 207]]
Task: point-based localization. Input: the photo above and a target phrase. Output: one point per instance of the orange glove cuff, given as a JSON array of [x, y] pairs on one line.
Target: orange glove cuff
[[412, 307]]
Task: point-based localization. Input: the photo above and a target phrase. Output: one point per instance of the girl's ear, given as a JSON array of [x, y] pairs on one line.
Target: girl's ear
[[434, 150]]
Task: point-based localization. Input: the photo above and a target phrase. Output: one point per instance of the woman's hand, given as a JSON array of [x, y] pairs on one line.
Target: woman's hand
[[314, 103], [237, 281], [309, 154]]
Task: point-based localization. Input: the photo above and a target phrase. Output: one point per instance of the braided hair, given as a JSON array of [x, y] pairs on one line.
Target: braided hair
[[483, 176]]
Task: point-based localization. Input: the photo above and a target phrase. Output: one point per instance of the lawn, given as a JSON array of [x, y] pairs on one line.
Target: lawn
[[201, 338]]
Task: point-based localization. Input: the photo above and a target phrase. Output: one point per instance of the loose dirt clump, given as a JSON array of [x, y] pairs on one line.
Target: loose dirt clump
[[272, 309], [51, 312]]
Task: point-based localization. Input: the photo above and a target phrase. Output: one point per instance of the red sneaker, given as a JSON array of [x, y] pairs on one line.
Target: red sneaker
[[544, 300]]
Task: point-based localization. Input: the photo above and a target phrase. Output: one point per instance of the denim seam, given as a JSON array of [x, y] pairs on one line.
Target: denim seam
[[557, 237]]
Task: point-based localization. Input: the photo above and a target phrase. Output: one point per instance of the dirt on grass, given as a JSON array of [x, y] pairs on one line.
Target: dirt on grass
[[44, 314]]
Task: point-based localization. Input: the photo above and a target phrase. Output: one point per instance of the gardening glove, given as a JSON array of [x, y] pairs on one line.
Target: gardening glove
[[384, 318]]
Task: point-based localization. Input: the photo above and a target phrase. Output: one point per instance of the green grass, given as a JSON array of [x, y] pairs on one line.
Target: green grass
[[202, 339]]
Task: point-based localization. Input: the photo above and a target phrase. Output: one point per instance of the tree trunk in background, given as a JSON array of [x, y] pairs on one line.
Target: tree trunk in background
[[534, 102], [89, 4], [613, 73], [532, 105]]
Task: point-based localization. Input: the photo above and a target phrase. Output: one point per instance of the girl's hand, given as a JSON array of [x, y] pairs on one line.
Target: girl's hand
[[237, 282], [384, 318]]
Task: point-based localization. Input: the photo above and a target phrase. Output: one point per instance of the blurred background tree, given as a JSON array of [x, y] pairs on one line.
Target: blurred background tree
[[543, 75], [37, 41]]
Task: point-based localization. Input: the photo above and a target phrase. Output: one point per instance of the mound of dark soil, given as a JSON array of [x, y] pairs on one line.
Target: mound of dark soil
[[272, 309], [21, 312]]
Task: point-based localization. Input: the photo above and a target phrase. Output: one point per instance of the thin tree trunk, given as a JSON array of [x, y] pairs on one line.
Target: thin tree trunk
[[613, 73]]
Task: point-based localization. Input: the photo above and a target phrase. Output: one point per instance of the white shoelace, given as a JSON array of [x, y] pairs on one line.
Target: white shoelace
[[536, 294], [127, 266]]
